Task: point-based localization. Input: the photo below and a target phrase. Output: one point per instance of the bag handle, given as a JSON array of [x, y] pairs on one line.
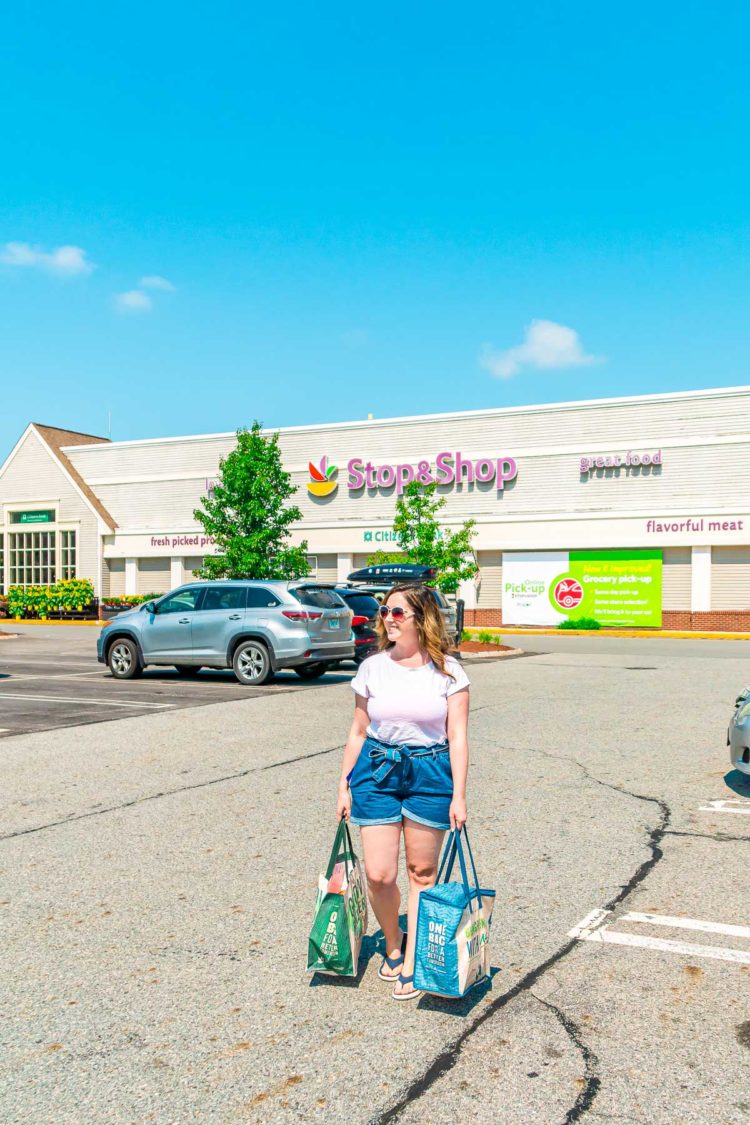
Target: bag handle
[[452, 849], [343, 838], [449, 850], [473, 865]]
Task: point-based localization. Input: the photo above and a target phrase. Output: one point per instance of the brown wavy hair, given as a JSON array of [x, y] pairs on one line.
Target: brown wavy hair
[[431, 630]]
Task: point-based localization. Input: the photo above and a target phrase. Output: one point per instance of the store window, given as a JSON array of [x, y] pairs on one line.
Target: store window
[[67, 554], [31, 558]]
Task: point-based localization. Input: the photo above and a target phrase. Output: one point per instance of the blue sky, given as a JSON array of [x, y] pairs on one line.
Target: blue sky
[[340, 210]]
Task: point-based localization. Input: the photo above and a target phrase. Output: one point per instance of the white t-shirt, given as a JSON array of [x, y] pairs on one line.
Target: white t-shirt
[[407, 705]]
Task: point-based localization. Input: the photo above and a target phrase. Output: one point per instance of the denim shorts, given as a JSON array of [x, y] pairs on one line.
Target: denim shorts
[[391, 782]]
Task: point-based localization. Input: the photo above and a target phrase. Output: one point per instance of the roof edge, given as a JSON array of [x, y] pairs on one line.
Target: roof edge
[[547, 407]]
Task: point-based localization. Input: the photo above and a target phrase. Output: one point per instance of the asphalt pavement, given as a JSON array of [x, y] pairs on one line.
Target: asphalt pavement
[[50, 678], [157, 877]]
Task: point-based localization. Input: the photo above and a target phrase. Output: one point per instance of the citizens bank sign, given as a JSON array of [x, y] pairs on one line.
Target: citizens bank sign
[[449, 469]]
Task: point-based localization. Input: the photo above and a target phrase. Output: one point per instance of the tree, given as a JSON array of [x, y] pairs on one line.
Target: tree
[[422, 539], [381, 557], [247, 516]]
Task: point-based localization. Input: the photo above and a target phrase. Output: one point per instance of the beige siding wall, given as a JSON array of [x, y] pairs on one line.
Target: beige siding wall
[[115, 568], [35, 479], [691, 476], [676, 578], [490, 594], [730, 578], [327, 568], [153, 576], [191, 564]]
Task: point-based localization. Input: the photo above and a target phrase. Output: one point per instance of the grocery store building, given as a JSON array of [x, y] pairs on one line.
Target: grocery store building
[[647, 497]]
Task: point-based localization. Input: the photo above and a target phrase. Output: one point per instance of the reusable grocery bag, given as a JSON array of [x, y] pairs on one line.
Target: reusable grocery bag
[[340, 911], [453, 927]]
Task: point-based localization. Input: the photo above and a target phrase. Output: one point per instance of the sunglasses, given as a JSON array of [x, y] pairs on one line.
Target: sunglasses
[[398, 613]]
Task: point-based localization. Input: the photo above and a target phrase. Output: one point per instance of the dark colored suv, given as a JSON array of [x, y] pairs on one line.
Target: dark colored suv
[[364, 608], [378, 580]]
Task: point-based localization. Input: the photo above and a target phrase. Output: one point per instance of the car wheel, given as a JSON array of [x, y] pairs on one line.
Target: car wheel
[[252, 664], [187, 669], [124, 660], [311, 671]]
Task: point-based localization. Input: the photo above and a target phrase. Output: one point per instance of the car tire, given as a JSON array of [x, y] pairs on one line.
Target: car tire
[[312, 671], [187, 669], [124, 659], [252, 664]]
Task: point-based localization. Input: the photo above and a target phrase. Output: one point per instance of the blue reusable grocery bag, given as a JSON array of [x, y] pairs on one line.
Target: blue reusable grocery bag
[[453, 927]]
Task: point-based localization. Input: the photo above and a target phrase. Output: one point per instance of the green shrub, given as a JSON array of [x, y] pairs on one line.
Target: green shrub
[[579, 623], [72, 595], [467, 635], [497, 639], [485, 638]]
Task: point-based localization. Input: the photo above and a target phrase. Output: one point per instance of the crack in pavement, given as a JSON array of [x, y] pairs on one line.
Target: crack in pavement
[[447, 1058], [186, 788], [167, 793], [592, 1080], [719, 837]]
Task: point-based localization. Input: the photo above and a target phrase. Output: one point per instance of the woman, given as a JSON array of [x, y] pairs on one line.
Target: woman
[[405, 764]]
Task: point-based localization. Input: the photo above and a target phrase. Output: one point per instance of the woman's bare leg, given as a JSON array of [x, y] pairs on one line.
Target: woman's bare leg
[[380, 844], [423, 846]]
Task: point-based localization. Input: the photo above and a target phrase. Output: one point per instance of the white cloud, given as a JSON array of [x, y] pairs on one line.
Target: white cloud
[[154, 281], [132, 301], [546, 346], [66, 261]]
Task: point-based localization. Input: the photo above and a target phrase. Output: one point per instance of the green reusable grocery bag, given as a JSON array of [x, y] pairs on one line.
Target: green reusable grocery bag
[[340, 912]]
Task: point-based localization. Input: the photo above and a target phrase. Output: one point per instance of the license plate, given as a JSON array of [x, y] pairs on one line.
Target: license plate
[[333, 623]]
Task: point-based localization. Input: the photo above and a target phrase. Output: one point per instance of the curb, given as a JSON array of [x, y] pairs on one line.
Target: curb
[[695, 635], [35, 621]]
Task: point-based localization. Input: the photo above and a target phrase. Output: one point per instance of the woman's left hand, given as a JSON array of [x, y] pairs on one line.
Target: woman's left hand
[[458, 812]]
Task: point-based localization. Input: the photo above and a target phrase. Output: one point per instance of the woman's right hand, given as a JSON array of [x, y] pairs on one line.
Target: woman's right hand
[[344, 802]]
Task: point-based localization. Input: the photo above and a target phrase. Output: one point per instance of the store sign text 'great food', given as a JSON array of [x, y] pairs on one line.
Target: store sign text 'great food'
[[449, 469]]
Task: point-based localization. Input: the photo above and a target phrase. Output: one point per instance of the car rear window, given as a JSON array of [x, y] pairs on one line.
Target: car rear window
[[260, 598], [361, 604], [319, 596]]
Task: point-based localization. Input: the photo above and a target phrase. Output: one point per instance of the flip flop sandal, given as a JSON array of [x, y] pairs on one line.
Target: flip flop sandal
[[392, 963], [413, 995]]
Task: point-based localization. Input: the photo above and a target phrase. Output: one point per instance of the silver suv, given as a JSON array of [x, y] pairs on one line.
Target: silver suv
[[253, 627]]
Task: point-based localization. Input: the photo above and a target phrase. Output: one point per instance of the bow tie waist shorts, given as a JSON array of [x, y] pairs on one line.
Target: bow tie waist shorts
[[390, 782]]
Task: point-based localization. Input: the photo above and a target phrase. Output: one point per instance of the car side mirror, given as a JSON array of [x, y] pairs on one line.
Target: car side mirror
[[149, 607]]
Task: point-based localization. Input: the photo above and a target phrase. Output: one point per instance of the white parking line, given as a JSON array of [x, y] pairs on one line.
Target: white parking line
[[727, 804], [16, 677], [52, 660], [591, 928], [88, 702]]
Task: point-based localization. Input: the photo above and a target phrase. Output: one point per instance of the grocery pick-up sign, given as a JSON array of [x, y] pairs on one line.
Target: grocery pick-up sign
[[615, 587]]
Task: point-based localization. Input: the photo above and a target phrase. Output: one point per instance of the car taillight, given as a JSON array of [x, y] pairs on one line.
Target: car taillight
[[359, 619], [300, 614]]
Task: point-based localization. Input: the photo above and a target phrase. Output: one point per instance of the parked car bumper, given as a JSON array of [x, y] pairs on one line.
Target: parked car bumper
[[739, 745], [330, 653]]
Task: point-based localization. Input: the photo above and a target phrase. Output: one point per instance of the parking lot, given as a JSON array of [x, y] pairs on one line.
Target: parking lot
[[50, 677], [158, 875]]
